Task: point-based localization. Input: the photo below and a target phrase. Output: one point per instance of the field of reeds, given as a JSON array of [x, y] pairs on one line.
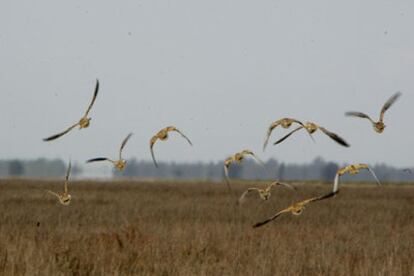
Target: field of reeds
[[197, 228]]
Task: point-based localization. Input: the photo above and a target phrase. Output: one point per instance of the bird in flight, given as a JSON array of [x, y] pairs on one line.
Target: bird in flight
[[378, 126], [163, 135], [284, 122], [118, 164], [264, 193], [311, 128], [65, 197], [84, 122], [296, 209], [238, 158], [352, 170]]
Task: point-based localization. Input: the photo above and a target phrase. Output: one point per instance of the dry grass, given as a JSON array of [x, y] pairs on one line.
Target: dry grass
[[168, 228]]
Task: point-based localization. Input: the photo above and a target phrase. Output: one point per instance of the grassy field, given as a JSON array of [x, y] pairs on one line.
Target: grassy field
[[189, 228]]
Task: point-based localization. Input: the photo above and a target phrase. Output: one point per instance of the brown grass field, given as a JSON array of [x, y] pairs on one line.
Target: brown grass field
[[196, 228]]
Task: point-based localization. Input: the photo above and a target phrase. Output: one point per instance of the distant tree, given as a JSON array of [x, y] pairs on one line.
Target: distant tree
[[328, 171], [281, 171], [16, 168]]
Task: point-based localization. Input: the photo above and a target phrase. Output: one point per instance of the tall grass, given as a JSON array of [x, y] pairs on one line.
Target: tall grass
[[186, 228]]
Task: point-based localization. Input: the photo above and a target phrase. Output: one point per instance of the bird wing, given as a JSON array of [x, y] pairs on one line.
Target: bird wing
[[334, 137], [98, 159], [226, 175], [95, 94], [322, 197], [287, 135], [68, 171], [284, 184], [359, 114], [269, 132], [51, 138], [275, 216], [123, 145], [336, 183], [152, 143], [249, 152], [374, 175], [388, 104], [242, 198], [182, 134], [53, 193]]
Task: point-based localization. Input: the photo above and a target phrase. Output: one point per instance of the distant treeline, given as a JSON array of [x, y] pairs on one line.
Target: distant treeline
[[318, 169]]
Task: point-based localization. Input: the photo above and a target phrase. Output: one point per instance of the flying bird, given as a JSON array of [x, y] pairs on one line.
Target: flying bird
[[378, 126], [65, 197], [163, 135], [264, 193], [296, 209], [284, 123], [352, 170], [312, 128], [84, 122], [119, 164], [238, 158]]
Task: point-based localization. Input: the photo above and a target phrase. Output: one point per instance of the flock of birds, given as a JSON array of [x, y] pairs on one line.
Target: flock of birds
[[264, 194]]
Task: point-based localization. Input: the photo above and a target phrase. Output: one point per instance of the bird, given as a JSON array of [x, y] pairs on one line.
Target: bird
[[378, 126], [65, 197], [311, 128], [408, 170], [238, 158], [119, 164], [284, 122], [352, 170], [163, 135], [84, 122], [264, 193], [296, 209]]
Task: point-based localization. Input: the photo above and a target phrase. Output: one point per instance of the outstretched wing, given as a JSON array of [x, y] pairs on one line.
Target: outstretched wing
[[322, 197], [99, 159], [269, 132], [287, 135], [336, 183], [255, 157], [95, 94], [334, 137], [152, 143], [284, 184], [53, 193], [242, 198], [388, 104], [374, 175], [182, 134], [51, 138], [226, 175], [68, 171], [271, 218], [123, 145], [358, 114]]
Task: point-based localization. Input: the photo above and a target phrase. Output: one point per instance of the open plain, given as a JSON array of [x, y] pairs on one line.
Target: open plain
[[197, 228]]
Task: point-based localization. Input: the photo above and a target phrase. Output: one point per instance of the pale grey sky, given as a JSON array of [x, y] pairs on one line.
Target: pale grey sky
[[221, 71]]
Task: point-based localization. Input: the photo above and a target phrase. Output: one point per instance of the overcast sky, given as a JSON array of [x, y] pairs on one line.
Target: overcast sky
[[219, 70]]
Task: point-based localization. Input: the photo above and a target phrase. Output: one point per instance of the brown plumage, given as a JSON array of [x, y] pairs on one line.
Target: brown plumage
[[284, 123], [84, 122], [163, 135], [378, 126], [64, 198], [312, 128], [238, 158], [119, 164], [352, 170], [264, 193], [296, 209]]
